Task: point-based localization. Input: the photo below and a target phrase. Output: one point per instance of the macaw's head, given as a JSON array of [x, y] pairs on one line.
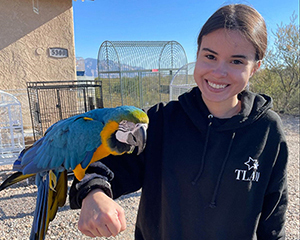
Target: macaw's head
[[131, 130]]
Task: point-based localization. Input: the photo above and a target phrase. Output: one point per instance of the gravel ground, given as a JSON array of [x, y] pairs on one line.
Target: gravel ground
[[17, 203]]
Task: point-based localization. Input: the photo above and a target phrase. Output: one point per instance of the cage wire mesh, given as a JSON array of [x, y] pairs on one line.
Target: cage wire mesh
[[182, 81], [52, 101], [138, 72], [11, 128]]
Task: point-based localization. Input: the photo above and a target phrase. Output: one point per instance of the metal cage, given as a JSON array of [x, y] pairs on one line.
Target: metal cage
[[55, 100], [138, 72], [11, 128], [182, 81]]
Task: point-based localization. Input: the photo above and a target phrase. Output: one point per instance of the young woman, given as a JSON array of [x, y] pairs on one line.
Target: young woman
[[214, 166]]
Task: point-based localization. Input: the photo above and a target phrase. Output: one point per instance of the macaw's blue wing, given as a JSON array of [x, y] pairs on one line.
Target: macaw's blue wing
[[66, 144]]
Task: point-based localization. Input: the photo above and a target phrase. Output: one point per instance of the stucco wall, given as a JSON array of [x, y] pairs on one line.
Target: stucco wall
[[25, 38]]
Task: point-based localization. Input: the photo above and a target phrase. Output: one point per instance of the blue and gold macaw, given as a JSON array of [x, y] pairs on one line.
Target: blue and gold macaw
[[73, 144]]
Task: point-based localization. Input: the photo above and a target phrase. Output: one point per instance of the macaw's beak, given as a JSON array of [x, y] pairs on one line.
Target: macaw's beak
[[140, 135], [137, 137]]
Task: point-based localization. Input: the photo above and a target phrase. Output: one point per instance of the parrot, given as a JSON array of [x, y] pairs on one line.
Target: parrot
[[72, 144]]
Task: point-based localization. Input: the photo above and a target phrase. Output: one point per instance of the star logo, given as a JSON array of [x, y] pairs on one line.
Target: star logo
[[252, 163]]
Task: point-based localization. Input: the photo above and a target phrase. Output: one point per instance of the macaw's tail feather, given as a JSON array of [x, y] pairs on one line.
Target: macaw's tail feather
[[58, 197], [14, 178], [48, 200]]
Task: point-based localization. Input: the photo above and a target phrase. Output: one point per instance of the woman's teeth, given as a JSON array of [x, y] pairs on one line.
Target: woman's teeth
[[216, 86]]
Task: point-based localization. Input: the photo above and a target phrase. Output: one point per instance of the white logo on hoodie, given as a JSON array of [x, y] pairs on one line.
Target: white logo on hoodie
[[251, 173]]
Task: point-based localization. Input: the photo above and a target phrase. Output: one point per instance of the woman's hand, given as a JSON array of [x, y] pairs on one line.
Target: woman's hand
[[101, 216]]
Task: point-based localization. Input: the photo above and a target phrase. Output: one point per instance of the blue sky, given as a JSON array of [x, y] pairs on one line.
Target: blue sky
[[159, 20]]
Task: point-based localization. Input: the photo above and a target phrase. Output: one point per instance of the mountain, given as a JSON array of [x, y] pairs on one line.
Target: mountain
[[91, 67], [88, 65]]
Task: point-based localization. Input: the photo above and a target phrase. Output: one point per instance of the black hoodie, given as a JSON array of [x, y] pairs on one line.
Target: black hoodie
[[204, 177]]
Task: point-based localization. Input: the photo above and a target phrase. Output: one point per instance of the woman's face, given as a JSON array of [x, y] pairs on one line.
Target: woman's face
[[225, 62]]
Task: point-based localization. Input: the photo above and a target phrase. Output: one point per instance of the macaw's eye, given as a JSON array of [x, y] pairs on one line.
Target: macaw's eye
[[125, 126], [124, 130]]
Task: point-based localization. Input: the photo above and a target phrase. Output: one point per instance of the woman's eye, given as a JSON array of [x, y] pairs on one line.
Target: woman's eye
[[210, 57], [237, 62]]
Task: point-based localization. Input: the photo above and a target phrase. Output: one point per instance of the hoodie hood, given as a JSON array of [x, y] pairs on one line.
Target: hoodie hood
[[253, 107]]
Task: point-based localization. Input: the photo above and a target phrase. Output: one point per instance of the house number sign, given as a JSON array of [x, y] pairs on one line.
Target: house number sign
[[58, 52]]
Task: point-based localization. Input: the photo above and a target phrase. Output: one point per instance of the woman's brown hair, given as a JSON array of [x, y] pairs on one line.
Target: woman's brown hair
[[242, 18]]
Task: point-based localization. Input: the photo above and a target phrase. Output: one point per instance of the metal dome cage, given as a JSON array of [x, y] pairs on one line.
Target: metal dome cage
[[182, 81], [138, 72]]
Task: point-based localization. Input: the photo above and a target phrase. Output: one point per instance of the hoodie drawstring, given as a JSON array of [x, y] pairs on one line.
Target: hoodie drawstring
[[210, 116], [213, 200]]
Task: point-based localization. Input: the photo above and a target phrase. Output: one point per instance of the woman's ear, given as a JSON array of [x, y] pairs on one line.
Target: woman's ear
[[256, 67]]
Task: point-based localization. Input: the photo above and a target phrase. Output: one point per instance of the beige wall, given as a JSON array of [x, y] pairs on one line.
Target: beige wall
[[25, 37]]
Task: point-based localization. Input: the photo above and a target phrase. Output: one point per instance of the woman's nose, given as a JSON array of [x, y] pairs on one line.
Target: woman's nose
[[220, 70]]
